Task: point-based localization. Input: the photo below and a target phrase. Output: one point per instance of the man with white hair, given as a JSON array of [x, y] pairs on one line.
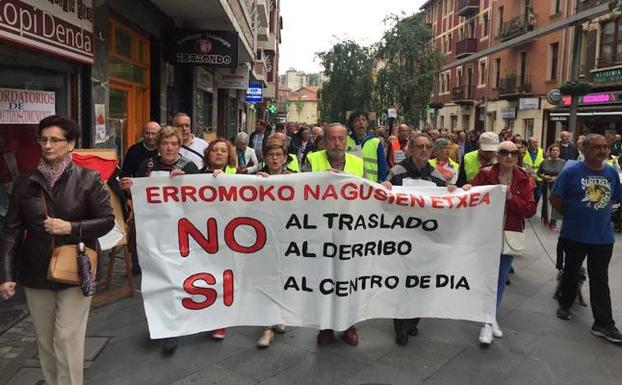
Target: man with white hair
[[192, 148], [247, 159], [567, 150]]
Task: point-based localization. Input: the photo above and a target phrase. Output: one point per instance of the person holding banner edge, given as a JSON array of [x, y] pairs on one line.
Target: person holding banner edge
[[520, 205], [169, 161], [415, 166], [275, 159]]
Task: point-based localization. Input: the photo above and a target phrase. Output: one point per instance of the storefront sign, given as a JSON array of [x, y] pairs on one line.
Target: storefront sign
[[100, 124], [63, 28], [508, 113], [558, 118], [206, 48], [554, 96], [25, 106], [529, 104], [607, 76], [270, 66], [596, 98], [234, 78], [254, 93]]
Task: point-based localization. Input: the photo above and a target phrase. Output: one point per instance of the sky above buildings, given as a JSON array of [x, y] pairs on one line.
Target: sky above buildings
[[311, 26]]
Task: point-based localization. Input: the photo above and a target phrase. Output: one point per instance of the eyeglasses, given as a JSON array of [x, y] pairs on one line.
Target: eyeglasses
[[274, 154], [53, 141], [603, 147], [504, 153], [423, 146]]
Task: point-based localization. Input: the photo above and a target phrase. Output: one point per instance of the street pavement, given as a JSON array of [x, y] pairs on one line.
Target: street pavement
[[537, 347]]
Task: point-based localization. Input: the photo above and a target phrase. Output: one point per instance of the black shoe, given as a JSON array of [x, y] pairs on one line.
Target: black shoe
[[564, 314], [414, 330], [611, 334], [169, 345], [512, 269], [401, 339]]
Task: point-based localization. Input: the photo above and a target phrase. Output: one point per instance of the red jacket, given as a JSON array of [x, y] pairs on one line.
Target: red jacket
[[522, 205]]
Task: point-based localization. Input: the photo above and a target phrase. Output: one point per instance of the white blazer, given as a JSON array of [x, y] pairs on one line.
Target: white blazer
[[251, 158]]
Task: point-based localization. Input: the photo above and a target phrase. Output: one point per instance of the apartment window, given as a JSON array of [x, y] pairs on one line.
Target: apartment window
[[471, 29], [500, 19], [447, 82], [450, 41], [611, 43], [528, 126], [482, 73], [497, 72], [556, 7], [554, 61], [485, 25], [523, 67], [459, 77]]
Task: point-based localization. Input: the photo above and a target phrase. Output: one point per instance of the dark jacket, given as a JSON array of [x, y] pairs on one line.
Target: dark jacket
[[522, 205], [79, 196], [407, 169], [569, 152]]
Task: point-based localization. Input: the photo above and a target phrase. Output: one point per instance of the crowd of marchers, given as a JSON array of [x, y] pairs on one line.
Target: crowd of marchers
[[61, 203]]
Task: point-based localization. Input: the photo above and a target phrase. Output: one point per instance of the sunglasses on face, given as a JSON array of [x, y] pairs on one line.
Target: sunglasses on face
[[505, 153]]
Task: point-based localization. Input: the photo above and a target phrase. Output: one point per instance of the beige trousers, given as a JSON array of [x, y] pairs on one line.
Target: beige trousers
[[59, 319]]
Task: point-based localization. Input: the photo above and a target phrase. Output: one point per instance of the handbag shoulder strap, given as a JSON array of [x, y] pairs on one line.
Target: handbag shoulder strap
[[45, 209]]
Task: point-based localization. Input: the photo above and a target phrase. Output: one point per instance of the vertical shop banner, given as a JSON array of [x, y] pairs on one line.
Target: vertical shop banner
[[25, 106], [63, 28], [317, 250]]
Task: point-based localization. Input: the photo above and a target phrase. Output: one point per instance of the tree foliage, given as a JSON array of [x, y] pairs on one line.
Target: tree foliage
[[410, 67], [348, 67]]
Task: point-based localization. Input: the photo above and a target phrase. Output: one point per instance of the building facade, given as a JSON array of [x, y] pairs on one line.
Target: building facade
[[113, 65], [508, 88]]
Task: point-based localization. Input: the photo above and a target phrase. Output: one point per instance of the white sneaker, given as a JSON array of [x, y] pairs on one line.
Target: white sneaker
[[280, 328], [496, 330], [266, 337], [485, 334]]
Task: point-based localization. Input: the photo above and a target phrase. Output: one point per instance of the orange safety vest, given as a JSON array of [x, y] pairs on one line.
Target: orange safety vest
[[398, 154]]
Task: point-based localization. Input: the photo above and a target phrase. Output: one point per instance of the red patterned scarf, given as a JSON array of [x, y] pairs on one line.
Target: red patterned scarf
[[53, 172]]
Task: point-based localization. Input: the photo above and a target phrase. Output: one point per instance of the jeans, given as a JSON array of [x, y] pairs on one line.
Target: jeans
[[598, 258], [537, 192], [504, 271]]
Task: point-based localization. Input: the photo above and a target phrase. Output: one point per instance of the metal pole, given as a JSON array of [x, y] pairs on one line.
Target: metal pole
[[574, 75]]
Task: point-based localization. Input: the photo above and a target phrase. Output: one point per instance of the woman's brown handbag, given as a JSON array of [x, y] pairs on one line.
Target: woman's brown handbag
[[64, 263]]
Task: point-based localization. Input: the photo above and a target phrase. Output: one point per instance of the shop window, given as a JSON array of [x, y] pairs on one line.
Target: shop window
[[122, 43], [528, 126]]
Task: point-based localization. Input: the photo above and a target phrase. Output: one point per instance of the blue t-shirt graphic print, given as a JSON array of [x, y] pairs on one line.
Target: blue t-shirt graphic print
[[588, 196]]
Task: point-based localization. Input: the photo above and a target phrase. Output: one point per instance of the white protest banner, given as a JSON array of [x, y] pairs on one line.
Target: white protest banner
[[318, 250]]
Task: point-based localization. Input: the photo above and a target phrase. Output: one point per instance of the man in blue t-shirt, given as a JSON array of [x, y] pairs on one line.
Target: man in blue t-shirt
[[584, 193]]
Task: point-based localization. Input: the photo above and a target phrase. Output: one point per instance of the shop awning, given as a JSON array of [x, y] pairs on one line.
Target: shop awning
[[589, 111]]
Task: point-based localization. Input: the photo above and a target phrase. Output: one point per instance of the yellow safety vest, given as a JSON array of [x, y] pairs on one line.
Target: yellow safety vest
[[370, 156], [453, 163], [534, 164], [471, 165], [318, 161], [293, 163]]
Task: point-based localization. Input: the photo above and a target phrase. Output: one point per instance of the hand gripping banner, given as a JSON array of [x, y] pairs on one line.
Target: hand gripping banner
[[320, 250]]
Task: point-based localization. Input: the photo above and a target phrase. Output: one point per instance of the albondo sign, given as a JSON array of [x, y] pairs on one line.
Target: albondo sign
[[63, 28], [206, 48]]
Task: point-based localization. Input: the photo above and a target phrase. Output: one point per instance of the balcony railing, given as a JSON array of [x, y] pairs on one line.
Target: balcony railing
[[465, 47], [514, 85], [587, 4], [468, 8], [604, 62], [463, 93], [517, 26]]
